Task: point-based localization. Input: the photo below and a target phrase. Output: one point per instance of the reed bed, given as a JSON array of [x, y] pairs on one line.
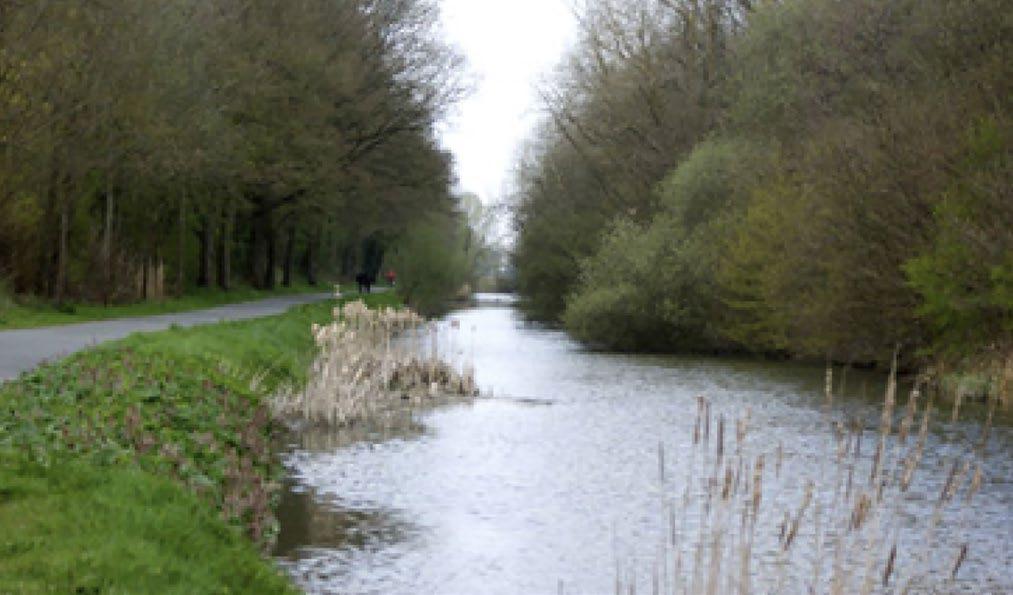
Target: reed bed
[[744, 520], [371, 362]]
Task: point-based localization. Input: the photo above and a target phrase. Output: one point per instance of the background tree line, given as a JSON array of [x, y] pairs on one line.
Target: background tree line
[[810, 177], [146, 147]]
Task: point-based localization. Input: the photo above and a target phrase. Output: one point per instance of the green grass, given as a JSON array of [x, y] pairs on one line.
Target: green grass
[[137, 466], [26, 312], [75, 527]]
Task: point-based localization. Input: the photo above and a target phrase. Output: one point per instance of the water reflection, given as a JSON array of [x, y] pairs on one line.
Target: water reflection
[[556, 477], [311, 521]]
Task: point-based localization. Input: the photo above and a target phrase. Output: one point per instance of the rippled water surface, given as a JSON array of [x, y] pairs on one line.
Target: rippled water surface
[[568, 475]]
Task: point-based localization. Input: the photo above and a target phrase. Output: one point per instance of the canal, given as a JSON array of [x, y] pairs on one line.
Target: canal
[[578, 472]]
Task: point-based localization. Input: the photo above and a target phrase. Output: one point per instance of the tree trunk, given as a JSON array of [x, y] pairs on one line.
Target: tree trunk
[[206, 252], [107, 245], [311, 245], [286, 279], [144, 278], [349, 259], [181, 247], [61, 287], [254, 253], [271, 255], [225, 249], [44, 275]]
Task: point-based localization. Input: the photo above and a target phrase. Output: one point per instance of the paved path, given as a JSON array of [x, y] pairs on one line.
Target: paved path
[[22, 350]]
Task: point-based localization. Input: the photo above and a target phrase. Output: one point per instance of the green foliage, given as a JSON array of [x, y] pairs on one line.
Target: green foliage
[[965, 277], [714, 180], [548, 261], [764, 280], [638, 91], [655, 287], [839, 208], [433, 262], [191, 144], [616, 305]]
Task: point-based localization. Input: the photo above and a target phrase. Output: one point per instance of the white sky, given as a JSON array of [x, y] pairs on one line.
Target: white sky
[[510, 46]]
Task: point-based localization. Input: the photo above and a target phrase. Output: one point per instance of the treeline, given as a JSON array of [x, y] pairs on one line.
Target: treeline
[[808, 177], [147, 147]]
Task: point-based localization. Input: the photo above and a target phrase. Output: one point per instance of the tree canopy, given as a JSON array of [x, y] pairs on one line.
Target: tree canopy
[[150, 146], [812, 177]]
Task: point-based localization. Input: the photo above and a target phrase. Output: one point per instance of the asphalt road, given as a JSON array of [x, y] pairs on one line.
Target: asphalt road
[[22, 350]]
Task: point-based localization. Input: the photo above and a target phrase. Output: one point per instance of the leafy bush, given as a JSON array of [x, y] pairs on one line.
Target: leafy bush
[[616, 305], [965, 276], [655, 287], [432, 262]]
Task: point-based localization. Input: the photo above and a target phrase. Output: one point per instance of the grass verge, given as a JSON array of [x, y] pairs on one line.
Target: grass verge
[[139, 466], [33, 312]]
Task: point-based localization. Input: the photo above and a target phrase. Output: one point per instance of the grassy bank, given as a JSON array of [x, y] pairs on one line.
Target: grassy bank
[[29, 312], [146, 465]]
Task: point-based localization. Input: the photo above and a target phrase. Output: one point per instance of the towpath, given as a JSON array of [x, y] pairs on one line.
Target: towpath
[[22, 350]]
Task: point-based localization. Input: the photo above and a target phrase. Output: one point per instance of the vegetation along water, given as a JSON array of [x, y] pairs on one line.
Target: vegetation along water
[[809, 178], [762, 336]]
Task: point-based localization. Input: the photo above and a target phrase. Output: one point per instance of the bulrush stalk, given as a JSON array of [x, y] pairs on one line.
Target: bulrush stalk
[[909, 415], [357, 373], [744, 520], [961, 556], [828, 389], [886, 421]]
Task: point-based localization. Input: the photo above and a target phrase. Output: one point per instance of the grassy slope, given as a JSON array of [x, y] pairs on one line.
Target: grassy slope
[[78, 528], [31, 314], [138, 466]]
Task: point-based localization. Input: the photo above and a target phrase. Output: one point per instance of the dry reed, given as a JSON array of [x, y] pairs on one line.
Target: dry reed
[[857, 536], [371, 362]]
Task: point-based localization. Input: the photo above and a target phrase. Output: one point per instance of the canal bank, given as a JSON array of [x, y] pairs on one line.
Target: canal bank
[[147, 465]]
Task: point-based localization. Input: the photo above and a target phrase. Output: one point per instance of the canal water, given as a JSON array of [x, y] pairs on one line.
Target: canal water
[[575, 474]]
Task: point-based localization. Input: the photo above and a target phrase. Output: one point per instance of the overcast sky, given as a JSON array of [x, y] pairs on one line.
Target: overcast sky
[[510, 45]]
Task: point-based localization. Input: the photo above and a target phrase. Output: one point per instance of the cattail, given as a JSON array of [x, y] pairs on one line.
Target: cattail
[[986, 429], [780, 457], [721, 438], [661, 462], [356, 369], [757, 485], [975, 483], [876, 458], [961, 555], [952, 481], [741, 428], [956, 405], [886, 423], [909, 415], [828, 388], [707, 421], [889, 565], [860, 511], [672, 531], [912, 460], [793, 530], [699, 414]]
